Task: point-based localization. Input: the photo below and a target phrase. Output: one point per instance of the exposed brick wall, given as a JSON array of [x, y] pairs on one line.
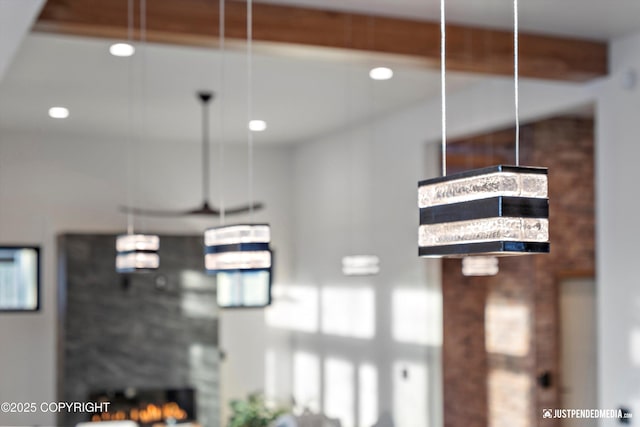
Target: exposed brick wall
[[464, 359], [567, 147], [476, 382]]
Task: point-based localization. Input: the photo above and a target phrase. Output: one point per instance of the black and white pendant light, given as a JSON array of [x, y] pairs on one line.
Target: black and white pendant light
[[135, 252], [360, 265], [240, 247], [239, 255], [499, 210]]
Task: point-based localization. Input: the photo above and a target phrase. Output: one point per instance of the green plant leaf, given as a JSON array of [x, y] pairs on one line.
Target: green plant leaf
[[253, 412]]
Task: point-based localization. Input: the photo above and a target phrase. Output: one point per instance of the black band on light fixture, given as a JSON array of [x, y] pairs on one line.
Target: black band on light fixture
[[495, 248], [138, 251], [237, 247], [523, 207]]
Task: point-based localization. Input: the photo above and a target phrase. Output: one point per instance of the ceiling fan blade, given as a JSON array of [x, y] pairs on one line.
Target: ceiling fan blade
[[204, 210], [244, 208], [153, 212]]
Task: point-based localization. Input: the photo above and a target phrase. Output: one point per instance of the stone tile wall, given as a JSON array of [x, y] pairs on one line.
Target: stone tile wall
[[159, 330]]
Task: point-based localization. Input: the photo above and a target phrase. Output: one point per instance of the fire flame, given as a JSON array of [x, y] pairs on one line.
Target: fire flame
[[146, 415]]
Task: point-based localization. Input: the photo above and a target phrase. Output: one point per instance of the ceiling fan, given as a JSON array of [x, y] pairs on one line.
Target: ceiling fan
[[205, 208]]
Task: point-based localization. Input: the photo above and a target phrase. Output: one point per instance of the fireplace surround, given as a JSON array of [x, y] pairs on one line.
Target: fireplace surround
[[151, 332]]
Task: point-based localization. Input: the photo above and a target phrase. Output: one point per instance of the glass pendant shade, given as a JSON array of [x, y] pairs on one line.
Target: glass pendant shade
[[480, 266], [360, 265], [237, 247], [500, 210], [137, 253]]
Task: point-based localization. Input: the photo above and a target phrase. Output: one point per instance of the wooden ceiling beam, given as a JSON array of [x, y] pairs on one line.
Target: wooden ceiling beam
[[469, 49]]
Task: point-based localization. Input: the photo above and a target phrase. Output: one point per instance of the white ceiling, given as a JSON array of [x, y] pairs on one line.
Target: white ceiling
[[301, 96]]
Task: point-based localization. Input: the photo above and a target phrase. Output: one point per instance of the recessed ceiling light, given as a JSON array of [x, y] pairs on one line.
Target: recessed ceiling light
[[58, 112], [381, 73], [257, 125], [122, 49]]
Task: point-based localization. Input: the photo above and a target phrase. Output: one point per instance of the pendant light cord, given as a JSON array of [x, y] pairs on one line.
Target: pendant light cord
[[443, 84], [130, 23], [143, 93], [348, 91], [250, 102], [515, 79], [221, 45]]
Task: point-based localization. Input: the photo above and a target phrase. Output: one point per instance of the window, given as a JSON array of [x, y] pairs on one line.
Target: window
[[19, 278]]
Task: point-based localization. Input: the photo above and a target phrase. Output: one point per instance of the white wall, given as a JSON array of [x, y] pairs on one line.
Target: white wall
[[16, 19], [53, 183], [355, 192], [618, 232]]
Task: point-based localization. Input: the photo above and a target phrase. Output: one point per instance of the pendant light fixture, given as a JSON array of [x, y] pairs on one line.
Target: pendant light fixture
[[240, 255], [480, 266], [136, 253], [358, 264], [238, 247], [499, 210]]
